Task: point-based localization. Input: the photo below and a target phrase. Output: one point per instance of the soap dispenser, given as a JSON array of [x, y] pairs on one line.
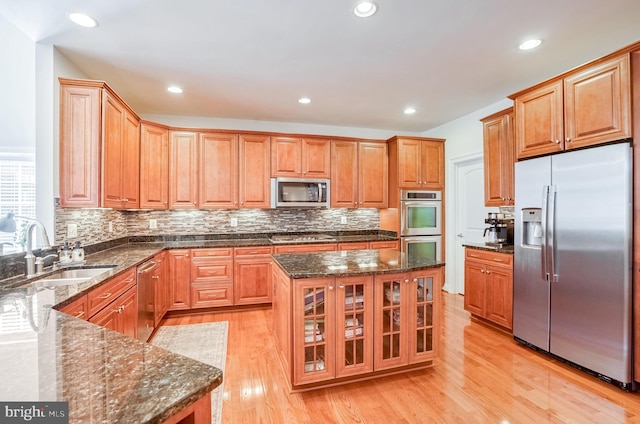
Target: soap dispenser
[[78, 253], [65, 253]]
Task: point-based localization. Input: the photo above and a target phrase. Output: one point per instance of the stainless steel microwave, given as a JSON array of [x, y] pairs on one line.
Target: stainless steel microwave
[[300, 192]]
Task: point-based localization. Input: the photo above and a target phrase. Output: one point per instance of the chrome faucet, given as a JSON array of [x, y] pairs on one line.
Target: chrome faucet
[[30, 259]]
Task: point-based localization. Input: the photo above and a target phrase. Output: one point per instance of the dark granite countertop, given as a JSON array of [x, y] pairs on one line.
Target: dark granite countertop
[[493, 248], [350, 263], [106, 377]]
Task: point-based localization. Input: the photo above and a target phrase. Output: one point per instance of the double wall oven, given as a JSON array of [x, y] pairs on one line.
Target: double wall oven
[[421, 223]]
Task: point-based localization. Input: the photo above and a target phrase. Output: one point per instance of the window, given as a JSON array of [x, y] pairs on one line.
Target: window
[[17, 193]]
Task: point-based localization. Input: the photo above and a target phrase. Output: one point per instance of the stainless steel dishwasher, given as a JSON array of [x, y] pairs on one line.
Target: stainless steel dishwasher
[[147, 278]]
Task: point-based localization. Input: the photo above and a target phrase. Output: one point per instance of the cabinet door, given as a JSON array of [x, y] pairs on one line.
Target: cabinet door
[[316, 158], [161, 300], [354, 325], [254, 189], [498, 160], [154, 167], [539, 121], [598, 104], [80, 147], [128, 313], [218, 171], [131, 162], [423, 316], [252, 280], [390, 321], [409, 160], [344, 174], [474, 287], [373, 172], [112, 138], [183, 170], [179, 278], [499, 300], [313, 330], [107, 318], [432, 165], [286, 157]]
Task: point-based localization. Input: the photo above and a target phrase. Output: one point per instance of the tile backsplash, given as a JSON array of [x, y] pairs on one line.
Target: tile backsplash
[[93, 224]]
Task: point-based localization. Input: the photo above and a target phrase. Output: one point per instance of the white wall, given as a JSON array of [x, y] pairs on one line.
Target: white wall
[[464, 140], [269, 126], [17, 90]]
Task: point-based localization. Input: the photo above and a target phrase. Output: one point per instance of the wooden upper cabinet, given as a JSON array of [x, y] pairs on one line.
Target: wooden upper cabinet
[[121, 155], [344, 174], [300, 157], [591, 105], [254, 171], [373, 174], [359, 174], [183, 169], [99, 147], [218, 184], [154, 166], [499, 159], [416, 163]]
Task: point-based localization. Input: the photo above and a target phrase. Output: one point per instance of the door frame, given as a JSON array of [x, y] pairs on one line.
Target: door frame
[[454, 281]]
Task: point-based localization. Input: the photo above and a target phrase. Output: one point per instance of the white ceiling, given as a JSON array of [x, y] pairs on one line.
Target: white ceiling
[[253, 59]]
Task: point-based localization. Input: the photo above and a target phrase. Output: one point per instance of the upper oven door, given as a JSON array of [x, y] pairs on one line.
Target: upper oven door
[[420, 218]]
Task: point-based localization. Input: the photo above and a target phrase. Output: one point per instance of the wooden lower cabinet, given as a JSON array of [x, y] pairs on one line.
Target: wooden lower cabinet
[[339, 329], [120, 315], [392, 244], [161, 293], [406, 318], [252, 275], [488, 286], [178, 273], [211, 277]]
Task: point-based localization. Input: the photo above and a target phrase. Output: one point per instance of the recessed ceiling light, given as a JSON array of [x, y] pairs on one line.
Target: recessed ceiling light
[[409, 110], [174, 89], [83, 20], [364, 9], [304, 100], [530, 44]]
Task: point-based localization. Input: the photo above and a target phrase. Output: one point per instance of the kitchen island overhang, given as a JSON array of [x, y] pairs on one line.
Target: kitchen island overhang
[[345, 316]]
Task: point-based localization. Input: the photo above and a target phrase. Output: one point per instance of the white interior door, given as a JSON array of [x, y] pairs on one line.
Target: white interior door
[[468, 217]]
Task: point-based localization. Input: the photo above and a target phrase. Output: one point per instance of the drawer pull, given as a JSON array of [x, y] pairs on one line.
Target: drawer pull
[[128, 280], [105, 296], [498, 260], [79, 314]]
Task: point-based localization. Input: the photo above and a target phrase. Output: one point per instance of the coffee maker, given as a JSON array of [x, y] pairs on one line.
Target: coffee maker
[[500, 230]]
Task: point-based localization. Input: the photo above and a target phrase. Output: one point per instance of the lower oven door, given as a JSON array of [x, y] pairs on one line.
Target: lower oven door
[[429, 247]]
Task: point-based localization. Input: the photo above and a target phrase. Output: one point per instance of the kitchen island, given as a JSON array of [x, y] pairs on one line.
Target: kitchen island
[[106, 377], [354, 315]]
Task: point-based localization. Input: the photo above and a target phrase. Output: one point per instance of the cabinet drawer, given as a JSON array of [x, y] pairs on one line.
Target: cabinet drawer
[[78, 308], [253, 250], [198, 254], [105, 294], [353, 246], [212, 270], [305, 248], [392, 244], [494, 258], [206, 295]]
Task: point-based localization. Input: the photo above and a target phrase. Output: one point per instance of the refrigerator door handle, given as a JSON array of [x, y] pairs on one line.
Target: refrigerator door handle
[[543, 224], [551, 237]]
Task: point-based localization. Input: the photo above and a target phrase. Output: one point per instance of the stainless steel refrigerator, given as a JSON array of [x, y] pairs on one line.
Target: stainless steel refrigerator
[[572, 288]]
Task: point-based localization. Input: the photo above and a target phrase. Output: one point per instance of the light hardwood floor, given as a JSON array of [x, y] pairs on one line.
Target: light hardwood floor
[[481, 376]]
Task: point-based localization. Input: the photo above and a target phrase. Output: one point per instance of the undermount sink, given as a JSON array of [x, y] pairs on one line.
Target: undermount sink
[[72, 276]]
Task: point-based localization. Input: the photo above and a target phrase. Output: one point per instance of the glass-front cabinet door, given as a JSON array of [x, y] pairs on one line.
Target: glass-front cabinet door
[[423, 315], [354, 325], [314, 330], [390, 322]]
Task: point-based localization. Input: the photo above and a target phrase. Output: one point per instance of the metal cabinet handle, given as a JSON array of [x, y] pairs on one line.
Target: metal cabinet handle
[[105, 296], [341, 286], [488, 272], [568, 139], [79, 314], [330, 287], [557, 141]]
